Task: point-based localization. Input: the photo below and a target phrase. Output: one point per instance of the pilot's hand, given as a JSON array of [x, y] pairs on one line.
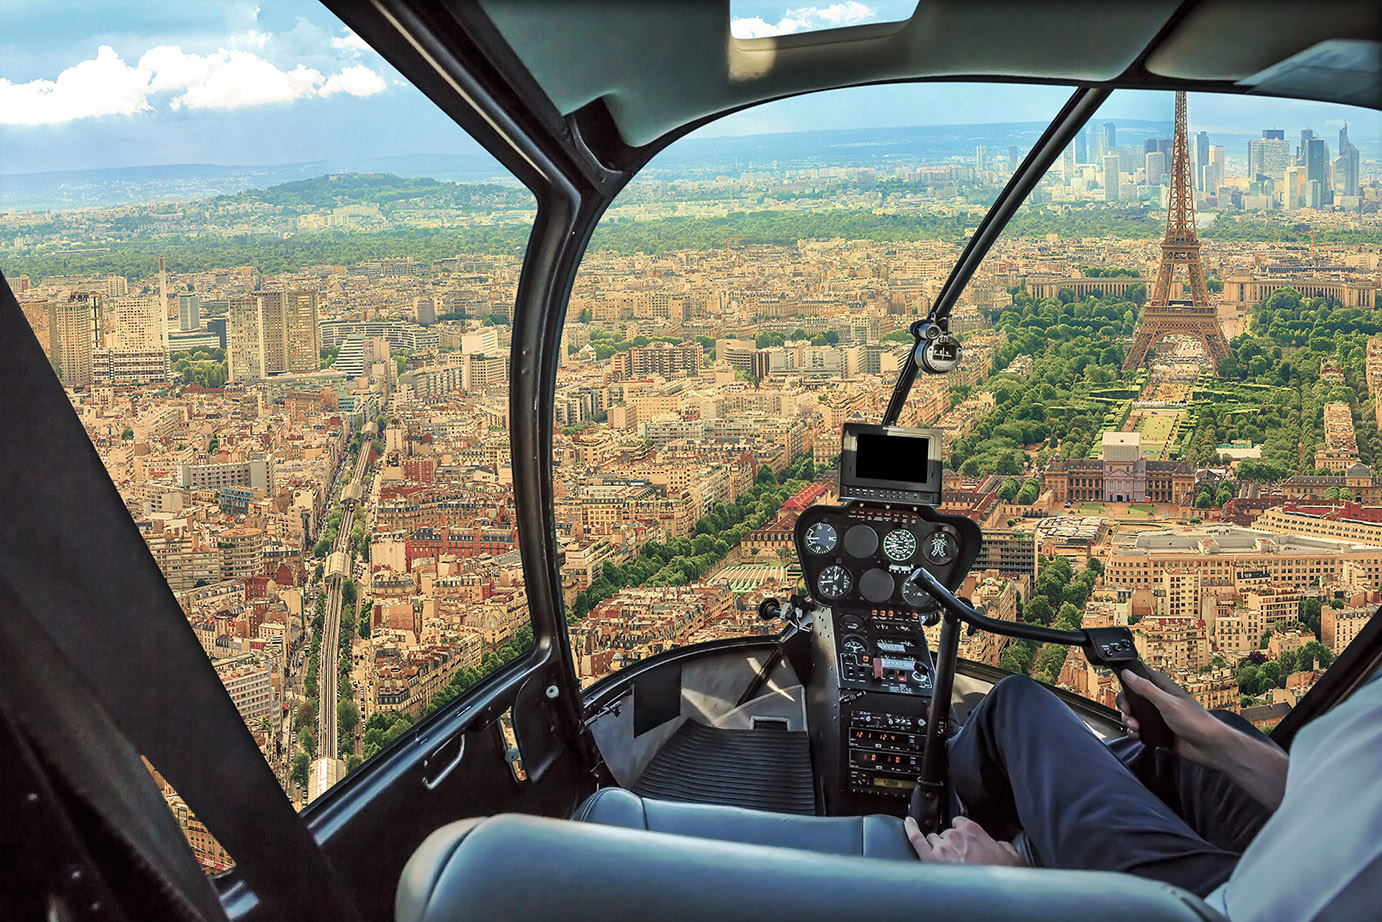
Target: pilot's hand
[[965, 842], [1198, 733]]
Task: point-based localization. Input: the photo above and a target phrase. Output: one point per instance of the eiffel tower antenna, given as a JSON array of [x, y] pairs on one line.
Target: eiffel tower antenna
[[1162, 317]]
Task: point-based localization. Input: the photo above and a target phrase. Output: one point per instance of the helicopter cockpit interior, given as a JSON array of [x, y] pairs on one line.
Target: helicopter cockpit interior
[[764, 775], [841, 729]]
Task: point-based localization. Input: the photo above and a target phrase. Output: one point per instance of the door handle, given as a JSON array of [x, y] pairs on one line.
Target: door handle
[[432, 780]]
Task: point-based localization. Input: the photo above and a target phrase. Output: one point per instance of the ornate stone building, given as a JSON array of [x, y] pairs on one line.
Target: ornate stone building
[[1122, 476]]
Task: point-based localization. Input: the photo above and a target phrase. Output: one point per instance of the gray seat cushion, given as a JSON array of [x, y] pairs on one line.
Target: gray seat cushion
[[860, 836], [528, 867]]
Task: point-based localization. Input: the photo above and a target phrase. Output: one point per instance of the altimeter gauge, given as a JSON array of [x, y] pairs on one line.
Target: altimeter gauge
[[834, 582], [821, 538], [900, 544], [917, 597]]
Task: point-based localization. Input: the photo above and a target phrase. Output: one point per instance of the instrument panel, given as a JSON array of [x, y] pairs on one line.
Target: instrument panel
[[861, 554], [856, 559]]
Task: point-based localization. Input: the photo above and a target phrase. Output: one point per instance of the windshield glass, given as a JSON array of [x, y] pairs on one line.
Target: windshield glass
[[1210, 485], [745, 295], [1180, 428], [288, 341]]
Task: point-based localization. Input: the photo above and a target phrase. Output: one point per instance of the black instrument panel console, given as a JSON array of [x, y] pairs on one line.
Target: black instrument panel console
[[856, 559], [860, 554]]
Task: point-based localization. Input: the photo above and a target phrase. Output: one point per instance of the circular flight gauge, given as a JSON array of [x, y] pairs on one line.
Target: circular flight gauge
[[821, 538], [861, 541], [917, 597], [876, 585], [900, 544], [834, 582], [940, 547], [854, 645]]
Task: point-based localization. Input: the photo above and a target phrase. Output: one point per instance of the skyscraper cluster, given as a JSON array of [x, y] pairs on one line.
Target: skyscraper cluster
[[1347, 171], [1268, 156], [1280, 173]]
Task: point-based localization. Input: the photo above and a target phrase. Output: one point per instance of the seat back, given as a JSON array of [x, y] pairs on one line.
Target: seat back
[[525, 867]]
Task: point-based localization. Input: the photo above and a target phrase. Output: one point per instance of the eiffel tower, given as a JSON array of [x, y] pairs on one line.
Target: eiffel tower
[[1162, 317]]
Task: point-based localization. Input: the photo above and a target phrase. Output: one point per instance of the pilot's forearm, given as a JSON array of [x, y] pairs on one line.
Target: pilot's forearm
[[1257, 766]]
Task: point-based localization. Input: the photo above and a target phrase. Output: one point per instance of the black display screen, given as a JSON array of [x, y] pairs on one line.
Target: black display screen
[[899, 459]]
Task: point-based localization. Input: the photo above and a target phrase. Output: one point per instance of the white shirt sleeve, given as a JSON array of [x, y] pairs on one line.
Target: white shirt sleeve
[[1320, 854]]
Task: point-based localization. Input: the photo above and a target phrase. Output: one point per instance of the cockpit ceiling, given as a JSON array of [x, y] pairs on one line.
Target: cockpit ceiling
[[662, 64]]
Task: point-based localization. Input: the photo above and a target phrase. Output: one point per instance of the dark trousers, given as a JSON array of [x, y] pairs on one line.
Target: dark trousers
[[1024, 760]]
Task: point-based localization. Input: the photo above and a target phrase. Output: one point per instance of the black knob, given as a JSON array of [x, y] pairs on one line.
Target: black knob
[[769, 609]]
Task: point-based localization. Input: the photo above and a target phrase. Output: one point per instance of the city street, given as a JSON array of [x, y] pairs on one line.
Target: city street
[[327, 669]]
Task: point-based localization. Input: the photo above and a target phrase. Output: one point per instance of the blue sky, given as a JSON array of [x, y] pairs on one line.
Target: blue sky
[[196, 81], [86, 84]]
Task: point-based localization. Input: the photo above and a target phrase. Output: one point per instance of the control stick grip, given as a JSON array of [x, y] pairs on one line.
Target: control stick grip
[[1113, 648], [1152, 729]]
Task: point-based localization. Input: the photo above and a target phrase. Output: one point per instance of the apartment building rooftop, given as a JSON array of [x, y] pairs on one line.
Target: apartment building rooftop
[[1231, 539]]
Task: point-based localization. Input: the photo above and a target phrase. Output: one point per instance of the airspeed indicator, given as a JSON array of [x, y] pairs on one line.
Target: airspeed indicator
[[900, 544]]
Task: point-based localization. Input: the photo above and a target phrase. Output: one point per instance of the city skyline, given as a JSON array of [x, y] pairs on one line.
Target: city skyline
[[890, 147]]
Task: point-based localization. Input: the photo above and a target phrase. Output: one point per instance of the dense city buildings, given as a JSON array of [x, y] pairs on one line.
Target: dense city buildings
[[272, 332], [1228, 556]]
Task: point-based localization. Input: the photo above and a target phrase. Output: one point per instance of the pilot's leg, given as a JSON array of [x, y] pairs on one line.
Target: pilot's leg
[[1214, 806], [1024, 757]]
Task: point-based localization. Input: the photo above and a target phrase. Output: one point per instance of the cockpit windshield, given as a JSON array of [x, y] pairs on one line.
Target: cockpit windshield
[[746, 296], [288, 341], [1180, 429], [1190, 455]]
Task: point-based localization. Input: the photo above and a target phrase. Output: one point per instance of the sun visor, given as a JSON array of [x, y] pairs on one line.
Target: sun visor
[[1343, 70]]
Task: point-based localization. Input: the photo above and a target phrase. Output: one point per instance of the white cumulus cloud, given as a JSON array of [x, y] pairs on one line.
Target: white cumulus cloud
[[350, 42], [806, 19], [252, 38], [356, 80], [170, 69], [167, 76], [103, 85], [239, 78]]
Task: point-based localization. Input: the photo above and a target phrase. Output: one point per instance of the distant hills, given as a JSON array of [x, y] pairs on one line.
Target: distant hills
[[335, 189], [137, 184], [690, 158], [69, 189]]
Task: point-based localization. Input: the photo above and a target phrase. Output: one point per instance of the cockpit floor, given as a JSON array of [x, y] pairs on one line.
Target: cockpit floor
[[763, 769]]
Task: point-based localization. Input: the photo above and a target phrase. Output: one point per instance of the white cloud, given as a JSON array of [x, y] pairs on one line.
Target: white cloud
[[357, 81], [224, 79], [103, 85], [253, 38], [240, 78], [170, 69], [806, 19], [350, 42]]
